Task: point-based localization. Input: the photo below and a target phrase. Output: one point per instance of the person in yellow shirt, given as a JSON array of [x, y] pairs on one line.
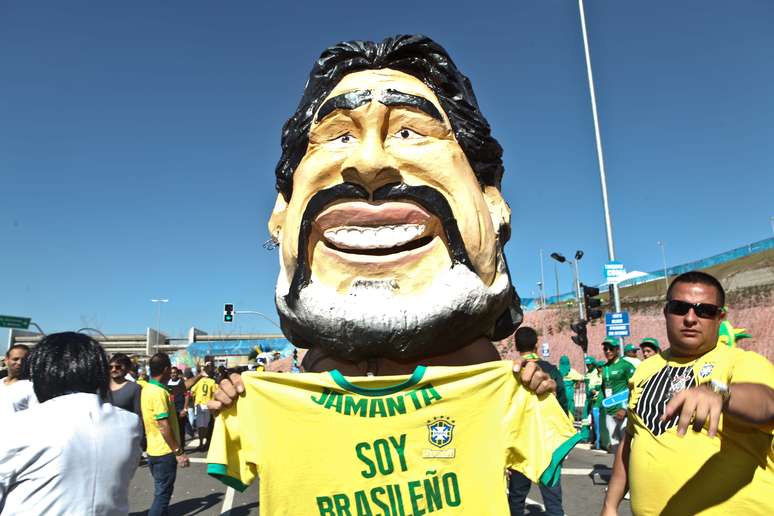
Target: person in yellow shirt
[[203, 392], [165, 452], [701, 418]]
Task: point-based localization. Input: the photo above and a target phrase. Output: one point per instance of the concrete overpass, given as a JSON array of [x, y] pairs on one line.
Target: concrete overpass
[[143, 344]]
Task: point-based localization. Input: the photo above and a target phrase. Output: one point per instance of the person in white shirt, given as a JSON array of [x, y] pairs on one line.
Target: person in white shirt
[[630, 355], [84, 463], [15, 391]]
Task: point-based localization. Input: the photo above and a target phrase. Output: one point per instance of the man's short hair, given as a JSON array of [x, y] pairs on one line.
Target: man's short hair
[[158, 363], [526, 339], [122, 360], [702, 278], [68, 362], [17, 346], [418, 56]]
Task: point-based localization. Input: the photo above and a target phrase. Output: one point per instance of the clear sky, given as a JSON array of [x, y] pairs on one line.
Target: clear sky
[[138, 140]]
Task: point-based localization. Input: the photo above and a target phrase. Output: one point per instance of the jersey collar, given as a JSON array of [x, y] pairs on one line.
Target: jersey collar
[[414, 379], [158, 384]]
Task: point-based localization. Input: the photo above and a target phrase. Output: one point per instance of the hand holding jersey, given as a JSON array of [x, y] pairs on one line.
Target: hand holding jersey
[[442, 437]]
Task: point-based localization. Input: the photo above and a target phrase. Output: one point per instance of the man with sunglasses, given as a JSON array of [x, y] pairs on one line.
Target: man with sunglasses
[[123, 393], [723, 463]]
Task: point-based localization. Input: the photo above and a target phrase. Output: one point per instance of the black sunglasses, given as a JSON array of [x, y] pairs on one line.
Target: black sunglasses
[[703, 310]]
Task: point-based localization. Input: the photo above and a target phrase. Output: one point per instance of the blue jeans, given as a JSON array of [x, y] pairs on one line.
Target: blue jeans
[[518, 488], [164, 471]]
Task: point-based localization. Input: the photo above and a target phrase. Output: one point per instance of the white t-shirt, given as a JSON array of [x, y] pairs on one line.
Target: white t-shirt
[[16, 396], [633, 361], [72, 454]]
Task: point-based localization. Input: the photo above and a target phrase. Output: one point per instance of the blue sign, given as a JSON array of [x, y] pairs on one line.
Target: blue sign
[[617, 318], [617, 324]]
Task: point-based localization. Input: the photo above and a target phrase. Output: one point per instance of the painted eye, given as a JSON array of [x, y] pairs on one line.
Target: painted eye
[[344, 139], [407, 134]]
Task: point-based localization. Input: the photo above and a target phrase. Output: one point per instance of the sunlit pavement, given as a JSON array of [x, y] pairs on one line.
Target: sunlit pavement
[[584, 478]]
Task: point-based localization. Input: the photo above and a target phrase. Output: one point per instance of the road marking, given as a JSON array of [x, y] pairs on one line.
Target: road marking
[[228, 501], [535, 502], [576, 471], [196, 459]]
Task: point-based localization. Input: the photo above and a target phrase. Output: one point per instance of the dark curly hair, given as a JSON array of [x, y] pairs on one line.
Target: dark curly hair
[[415, 55], [68, 362]]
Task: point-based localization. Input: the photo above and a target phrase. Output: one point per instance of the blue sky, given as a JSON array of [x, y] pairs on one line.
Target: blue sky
[[138, 140]]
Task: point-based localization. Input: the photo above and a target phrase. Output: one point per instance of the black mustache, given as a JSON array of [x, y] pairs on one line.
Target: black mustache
[[427, 197]]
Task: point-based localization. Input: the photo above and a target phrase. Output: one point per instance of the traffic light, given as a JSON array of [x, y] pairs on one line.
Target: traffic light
[[580, 337], [228, 313], [591, 303]]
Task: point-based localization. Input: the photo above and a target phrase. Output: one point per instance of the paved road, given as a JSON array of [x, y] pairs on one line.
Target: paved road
[[583, 484]]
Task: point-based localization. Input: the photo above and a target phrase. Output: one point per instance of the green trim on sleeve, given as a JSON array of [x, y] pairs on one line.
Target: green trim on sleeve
[[553, 472], [383, 391], [163, 415], [220, 472]]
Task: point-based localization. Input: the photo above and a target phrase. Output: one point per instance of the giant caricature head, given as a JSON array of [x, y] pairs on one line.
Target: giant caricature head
[[389, 215]]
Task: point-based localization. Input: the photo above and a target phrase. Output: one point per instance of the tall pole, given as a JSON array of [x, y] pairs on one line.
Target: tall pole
[[158, 318], [578, 293], [600, 158], [771, 219], [663, 262], [543, 280], [556, 276]]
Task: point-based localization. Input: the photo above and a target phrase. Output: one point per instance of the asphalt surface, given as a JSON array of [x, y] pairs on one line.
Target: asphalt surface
[[584, 478]]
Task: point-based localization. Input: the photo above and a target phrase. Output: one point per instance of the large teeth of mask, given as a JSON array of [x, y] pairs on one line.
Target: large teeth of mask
[[381, 237]]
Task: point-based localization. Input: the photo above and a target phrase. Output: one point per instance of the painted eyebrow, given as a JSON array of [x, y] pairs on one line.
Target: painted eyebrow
[[350, 100], [392, 97]]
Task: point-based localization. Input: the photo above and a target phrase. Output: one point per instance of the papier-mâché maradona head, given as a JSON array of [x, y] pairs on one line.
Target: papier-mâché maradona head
[[389, 216]]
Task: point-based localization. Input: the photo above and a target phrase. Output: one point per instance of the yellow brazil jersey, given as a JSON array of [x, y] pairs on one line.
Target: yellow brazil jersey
[[204, 390], [441, 439], [732, 473], [157, 404]]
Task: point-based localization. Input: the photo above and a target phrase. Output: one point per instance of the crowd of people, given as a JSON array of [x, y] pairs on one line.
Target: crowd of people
[[70, 381], [691, 426]]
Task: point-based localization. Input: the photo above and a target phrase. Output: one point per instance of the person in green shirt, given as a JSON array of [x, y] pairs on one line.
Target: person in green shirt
[[615, 379], [593, 382], [569, 377]]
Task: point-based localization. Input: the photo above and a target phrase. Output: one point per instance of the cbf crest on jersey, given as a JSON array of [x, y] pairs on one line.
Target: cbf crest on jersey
[[706, 370], [440, 431]]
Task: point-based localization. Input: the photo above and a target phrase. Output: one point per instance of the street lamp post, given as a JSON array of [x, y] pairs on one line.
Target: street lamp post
[[542, 282], [158, 318], [600, 158], [259, 314], [663, 262], [576, 281], [771, 219]]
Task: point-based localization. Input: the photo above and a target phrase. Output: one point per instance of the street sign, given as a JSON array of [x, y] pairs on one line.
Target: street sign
[[617, 324], [10, 321], [614, 271]]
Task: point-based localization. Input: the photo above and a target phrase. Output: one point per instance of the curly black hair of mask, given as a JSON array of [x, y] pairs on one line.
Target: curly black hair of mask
[[416, 55], [68, 362]]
